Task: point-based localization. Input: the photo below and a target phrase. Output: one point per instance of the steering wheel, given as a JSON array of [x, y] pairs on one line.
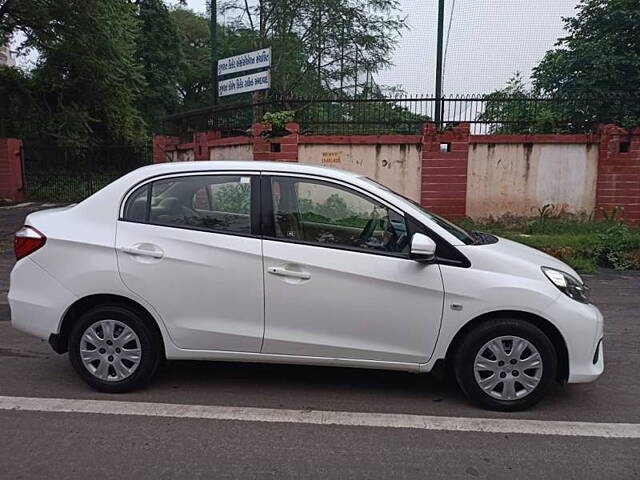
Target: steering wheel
[[368, 230]]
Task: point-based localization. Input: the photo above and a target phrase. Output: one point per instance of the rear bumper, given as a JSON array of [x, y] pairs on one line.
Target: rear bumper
[[37, 300]]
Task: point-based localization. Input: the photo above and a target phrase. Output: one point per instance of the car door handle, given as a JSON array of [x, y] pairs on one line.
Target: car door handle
[[284, 272], [156, 253]]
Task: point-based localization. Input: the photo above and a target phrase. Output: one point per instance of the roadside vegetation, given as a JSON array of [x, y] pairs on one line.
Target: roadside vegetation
[[582, 241]]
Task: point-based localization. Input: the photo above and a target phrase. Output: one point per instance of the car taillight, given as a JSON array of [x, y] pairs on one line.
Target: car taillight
[[27, 241]]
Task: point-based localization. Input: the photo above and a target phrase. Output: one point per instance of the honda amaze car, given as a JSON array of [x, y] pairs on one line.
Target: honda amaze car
[[286, 263]]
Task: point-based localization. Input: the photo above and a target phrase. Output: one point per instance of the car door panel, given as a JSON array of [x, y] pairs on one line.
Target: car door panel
[[207, 287], [200, 269], [353, 305], [339, 285]]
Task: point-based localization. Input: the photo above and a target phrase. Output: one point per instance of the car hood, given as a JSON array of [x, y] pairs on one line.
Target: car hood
[[513, 257]]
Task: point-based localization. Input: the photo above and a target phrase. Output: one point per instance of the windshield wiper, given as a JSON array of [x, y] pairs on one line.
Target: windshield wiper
[[481, 238]]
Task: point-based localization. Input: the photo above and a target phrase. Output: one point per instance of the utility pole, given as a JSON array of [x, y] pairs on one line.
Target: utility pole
[[213, 30], [439, 105]]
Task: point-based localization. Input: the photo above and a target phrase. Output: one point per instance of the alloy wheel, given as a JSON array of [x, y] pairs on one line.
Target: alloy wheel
[[508, 368], [110, 350]]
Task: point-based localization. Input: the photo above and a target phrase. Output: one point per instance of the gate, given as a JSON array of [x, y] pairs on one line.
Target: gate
[[70, 174]]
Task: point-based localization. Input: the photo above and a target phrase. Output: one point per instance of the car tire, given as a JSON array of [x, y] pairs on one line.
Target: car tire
[[505, 364], [98, 352]]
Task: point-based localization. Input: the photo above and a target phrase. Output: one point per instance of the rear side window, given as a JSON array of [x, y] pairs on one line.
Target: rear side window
[[220, 203]]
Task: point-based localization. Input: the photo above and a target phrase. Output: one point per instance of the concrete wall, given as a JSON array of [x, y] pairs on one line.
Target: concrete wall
[[399, 167], [232, 152], [518, 178]]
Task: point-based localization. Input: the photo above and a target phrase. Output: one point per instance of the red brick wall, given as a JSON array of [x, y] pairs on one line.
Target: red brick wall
[[11, 169], [444, 174], [162, 146], [619, 172], [277, 149]]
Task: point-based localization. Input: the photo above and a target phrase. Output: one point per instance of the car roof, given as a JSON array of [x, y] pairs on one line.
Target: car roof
[[257, 166]]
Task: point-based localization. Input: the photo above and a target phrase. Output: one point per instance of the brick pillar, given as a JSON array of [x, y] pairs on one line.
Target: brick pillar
[[619, 172], [161, 150], [444, 170], [278, 149], [201, 144], [11, 186]]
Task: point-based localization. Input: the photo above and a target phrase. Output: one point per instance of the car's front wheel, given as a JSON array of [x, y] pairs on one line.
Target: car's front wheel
[[114, 349], [505, 364]]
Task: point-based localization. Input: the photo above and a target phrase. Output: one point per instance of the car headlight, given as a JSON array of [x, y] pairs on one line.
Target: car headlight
[[567, 284]]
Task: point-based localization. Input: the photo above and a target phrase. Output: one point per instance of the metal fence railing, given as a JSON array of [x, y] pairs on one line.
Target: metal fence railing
[[485, 114], [70, 174]]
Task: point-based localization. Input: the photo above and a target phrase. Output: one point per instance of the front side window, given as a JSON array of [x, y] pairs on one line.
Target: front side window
[[323, 213], [219, 203]]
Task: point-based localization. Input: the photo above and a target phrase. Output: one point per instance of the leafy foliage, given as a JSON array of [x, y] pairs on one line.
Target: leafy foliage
[[194, 85], [233, 198], [159, 53], [106, 72], [599, 59], [508, 107], [277, 120], [591, 77], [600, 54], [321, 46], [86, 81]]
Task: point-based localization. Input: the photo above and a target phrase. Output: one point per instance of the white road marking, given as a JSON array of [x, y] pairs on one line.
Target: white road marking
[[319, 417]]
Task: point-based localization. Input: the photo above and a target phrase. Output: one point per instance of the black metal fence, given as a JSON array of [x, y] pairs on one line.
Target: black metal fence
[[485, 114], [70, 174]]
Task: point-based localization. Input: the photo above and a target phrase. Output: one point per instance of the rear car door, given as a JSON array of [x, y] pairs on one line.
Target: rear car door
[[189, 246], [339, 282]]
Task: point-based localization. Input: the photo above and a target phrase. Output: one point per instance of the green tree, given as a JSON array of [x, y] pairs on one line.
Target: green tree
[[24, 16], [321, 46], [600, 57], [194, 85], [514, 109], [160, 57], [86, 82], [193, 34], [18, 106]]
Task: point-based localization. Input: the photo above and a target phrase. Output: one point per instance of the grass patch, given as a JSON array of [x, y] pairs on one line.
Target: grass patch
[[580, 241]]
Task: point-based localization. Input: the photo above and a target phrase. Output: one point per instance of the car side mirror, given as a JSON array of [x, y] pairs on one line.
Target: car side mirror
[[423, 249]]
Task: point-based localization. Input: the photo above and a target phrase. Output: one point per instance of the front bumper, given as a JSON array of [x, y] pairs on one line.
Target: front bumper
[[582, 327]]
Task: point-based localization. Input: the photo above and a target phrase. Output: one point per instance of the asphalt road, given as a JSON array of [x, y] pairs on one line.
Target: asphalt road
[[71, 444]]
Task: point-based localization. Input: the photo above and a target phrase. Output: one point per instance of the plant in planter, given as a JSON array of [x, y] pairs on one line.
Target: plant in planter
[[275, 122]]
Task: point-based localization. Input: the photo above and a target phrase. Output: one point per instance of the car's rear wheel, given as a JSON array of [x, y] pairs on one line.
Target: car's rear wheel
[[505, 364], [114, 349]]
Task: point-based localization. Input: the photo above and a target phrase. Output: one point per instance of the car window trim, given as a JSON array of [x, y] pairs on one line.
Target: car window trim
[[196, 229]]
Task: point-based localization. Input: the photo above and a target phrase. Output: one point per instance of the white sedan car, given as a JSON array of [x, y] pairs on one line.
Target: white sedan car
[[286, 263]]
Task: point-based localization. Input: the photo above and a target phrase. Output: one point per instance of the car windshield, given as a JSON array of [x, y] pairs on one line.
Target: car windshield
[[458, 232]]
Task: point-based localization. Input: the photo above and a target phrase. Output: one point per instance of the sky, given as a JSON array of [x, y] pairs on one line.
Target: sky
[[489, 41]]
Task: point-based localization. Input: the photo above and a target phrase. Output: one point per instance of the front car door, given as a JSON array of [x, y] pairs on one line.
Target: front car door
[[338, 279], [189, 246]]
